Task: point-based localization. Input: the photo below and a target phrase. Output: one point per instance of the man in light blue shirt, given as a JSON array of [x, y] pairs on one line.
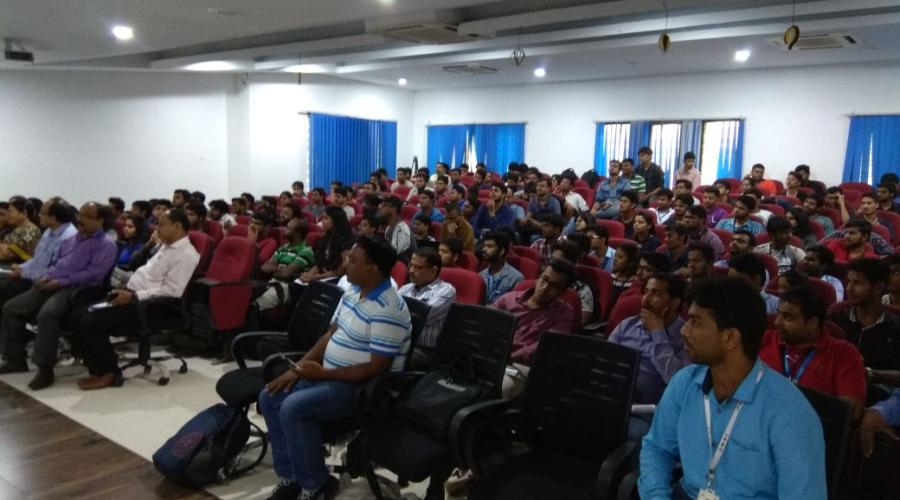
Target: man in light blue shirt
[[499, 277], [730, 414], [880, 418]]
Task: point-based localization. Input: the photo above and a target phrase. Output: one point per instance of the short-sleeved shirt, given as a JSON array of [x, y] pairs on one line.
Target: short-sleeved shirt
[[377, 323], [556, 316], [879, 343], [835, 367], [498, 284], [731, 225], [300, 254]]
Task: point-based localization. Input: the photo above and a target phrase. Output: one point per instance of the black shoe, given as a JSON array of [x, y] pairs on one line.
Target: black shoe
[[325, 492], [13, 367], [285, 490], [43, 379]]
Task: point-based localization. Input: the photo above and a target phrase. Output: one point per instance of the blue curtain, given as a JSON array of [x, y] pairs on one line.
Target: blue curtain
[[731, 151], [348, 149], [600, 161], [640, 137], [691, 139], [873, 148], [495, 145]]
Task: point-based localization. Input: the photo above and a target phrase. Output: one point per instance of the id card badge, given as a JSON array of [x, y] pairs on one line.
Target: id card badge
[[707, 494]]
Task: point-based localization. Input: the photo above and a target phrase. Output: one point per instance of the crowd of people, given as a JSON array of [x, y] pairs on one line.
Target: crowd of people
[[730, 283]]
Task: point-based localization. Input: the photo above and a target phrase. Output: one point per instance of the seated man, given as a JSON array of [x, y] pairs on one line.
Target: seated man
[[499, 277], [494, 213], [285, 265], [700, 258], [880, 418], [787, 255], [767, 439], [664, 209], [714, 213], [853, 243], [218, 211], [871, 327], [166, 274], [455, 225], [677, 246], [751, 268], [427, 208], [695, 220], [568, 250], [426, 285], [817, 264], [450, 249], [742, 241], [813, 204], [740, 218], [259, 232], [650, 264], [628, 204], [196, 214], [551, 229], [421, 232], [656, 332], [802, 352], [600, 248], [397, 232], [370, 336], [84, 260], [539, 309]]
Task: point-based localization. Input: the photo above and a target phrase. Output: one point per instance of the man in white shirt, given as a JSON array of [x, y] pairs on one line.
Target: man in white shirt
[[397, 232], [402, 179], [572, 198], [427, 286], [166, 274]]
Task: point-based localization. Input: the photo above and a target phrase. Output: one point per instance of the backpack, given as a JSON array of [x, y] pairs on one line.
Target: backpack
[[208, 448]]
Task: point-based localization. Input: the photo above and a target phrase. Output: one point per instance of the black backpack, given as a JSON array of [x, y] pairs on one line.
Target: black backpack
[[207, 449]]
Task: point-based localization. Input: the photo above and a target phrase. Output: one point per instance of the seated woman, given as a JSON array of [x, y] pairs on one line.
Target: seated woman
[[135, 233], [286, 264], [645, 232], [329, 250], [450, 249], [799, 220], [19, 243], [625, 265]]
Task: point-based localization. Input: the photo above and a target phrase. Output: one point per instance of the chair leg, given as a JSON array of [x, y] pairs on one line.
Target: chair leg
[[372, 479], [436, 482]]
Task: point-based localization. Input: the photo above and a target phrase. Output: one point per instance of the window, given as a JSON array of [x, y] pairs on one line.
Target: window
[[665, 141], [610, 143], [873, 148], [722, 150]]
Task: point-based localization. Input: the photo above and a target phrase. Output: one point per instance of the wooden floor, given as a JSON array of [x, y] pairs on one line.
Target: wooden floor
[[44, 454]]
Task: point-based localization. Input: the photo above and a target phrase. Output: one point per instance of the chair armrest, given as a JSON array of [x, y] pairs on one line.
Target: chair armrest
[[595, 329], [612, 466], [240, 339], [270, 363], [156, 306], [88, 295], [468, 425], [383, 391], [628, 486]]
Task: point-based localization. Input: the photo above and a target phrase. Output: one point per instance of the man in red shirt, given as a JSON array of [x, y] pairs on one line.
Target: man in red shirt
[[539, 309], [801, 351], [853, 245]]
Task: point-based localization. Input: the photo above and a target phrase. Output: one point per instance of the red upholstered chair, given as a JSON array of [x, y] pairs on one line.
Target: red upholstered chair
[[408, 212], [600, 282], [852, 199], [436, 230], [615, 228], [470, 288], [526, 252], [355, 220], [484, 194], [586, 193], [300, 202], [894, 220], [771, 207], [214, 229], [825, 290], [860, 187], [733, 184], [817, 229], [312, 238], [569, 296], [467, 180], [881, 231], [790, 199], [615, 242], [726, 207], [581, 184], [592, 261], [226, 289], [243, 220], [779, 186], [238, 231], [266, 249], [204, 244], [529, 268], [832, 214], [400, 273], [724, 236], [833, 329], [625, 307], [310, 218], [468, 260], [660, 231]]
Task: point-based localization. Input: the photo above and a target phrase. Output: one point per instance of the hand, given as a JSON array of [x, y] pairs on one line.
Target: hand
[[651, 320], [283, 383], [451, 227], [308, 370], [682, 273], [841, 198], [122, 297], [154, 238], [48, 285], [308, 276], [16, 272], [490, 205], [872, 423]]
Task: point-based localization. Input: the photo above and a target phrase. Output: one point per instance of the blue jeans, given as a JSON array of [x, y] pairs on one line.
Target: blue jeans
[[293, 420]]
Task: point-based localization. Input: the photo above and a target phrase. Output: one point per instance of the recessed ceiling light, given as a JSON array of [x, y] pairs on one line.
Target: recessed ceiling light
[[742, 55], [540, 72], [402, 81], [123, 32], [305, 68], [211, 66]]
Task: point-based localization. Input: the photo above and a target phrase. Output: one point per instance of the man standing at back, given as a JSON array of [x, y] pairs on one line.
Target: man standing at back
[[651, 172], [739, 429]]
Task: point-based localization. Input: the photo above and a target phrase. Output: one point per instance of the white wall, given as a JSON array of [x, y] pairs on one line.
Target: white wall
[[793, 116], [89, 135]]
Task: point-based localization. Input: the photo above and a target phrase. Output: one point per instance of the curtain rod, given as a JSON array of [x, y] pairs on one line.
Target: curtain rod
[[675, 120], [307, 113], [429, 124], [851, 115]]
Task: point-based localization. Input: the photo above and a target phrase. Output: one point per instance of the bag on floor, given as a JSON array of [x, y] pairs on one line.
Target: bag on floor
[[207, 449]]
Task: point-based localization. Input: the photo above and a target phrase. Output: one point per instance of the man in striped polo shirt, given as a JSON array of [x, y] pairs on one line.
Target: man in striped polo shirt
[[370, 335]]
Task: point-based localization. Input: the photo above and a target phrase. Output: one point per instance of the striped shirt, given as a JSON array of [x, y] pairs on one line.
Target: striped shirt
[[439, 295], [375, 324]]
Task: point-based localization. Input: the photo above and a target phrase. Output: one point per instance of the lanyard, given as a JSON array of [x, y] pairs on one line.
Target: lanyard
[[720, 449], [787, 371]]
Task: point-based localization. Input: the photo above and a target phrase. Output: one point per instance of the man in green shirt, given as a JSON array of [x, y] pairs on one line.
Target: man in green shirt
[[637, 182], [286, 264]]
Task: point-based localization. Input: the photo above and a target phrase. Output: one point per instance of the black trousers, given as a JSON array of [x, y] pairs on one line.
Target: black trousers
[[96, 328], [9, 288]]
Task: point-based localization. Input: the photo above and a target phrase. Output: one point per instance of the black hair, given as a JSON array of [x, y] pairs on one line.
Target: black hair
[[675, 285], [499, 185], [665, 192], [709, 255], [802, 168], [185, 194], [748, 201], [460, 189], [297, 184], [555, 220], [678, 229], [711, 190], [117, 203], [689, 156], [658, 261], [178, 216], [265, 217], [801, 218], [873, 270], [198, 196], [568, 248], [301, 227], [143, 206], [688, 184], [566, 268], [24, 206], [219, 205], [320, 191], [456, 245], [164, 202], [650, 219], [392, 202], [142, 230], [373, 220], [645, 151], [685, 198], [631, 194], [812, 305], [818, 198], [582, 240], [826, 256], [741, 308], [198, 208], [428, 193], [61, 211], [442, 178], [871, 195], [380, 252], [748, 234], [778, 224], [750, 264], [424, 219], [834, 189], [758, 165], [698, 211], [793, 277], [632, 253], [890, 177], [890, 186], [342, 191], [500, 238], [599, 230], [861, 224]]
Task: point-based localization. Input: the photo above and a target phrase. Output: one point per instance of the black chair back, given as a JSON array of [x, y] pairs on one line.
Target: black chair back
[[577, 401], [312, 315], [484, 335], [418, 313], [836, 416]]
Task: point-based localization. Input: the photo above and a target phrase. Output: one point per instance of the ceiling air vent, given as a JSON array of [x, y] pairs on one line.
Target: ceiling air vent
[[470, 69], [429, 33], [818, 42]]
